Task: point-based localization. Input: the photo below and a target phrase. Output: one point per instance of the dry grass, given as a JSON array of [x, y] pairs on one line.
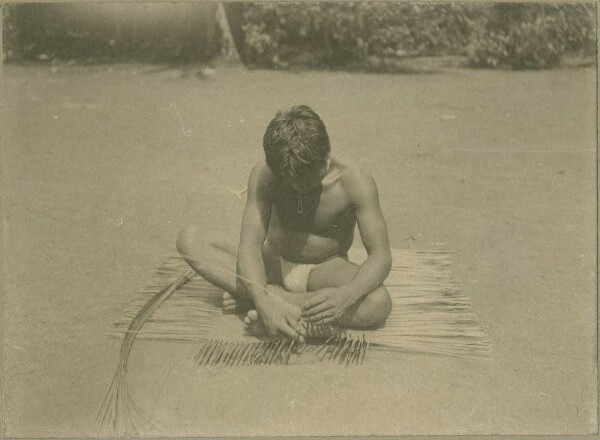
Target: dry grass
[[342, 349], [119, 411], [429, 315]]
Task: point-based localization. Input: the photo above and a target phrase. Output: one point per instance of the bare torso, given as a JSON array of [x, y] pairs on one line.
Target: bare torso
[[314, 227]]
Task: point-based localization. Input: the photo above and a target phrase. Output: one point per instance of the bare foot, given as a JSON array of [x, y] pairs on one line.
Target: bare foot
[[253, 324], [234, 305]]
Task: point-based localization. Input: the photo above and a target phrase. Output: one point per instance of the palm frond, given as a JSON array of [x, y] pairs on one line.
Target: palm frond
[[118, 412], [342, 349], [429, 315]]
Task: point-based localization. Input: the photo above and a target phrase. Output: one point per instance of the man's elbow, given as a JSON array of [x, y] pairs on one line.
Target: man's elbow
[[384, 260], [387, 262]]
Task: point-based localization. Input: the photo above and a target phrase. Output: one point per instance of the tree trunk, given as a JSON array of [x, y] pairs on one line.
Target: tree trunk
[[228, 49]]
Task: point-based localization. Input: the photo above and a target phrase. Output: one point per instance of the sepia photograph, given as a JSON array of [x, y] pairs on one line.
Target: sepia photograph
[[242, 219]]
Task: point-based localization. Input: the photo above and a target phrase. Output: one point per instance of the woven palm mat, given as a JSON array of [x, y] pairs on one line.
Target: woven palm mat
[[429, 315]]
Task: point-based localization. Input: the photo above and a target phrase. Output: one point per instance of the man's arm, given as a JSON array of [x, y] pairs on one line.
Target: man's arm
[[363, 193], [255, 221], [331, 303], [278, 317]]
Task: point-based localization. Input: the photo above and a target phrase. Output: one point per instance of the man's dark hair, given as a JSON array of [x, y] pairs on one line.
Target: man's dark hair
[[296, 142]]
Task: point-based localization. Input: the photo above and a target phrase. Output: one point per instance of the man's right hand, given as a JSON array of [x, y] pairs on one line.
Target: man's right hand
[[281, 318]]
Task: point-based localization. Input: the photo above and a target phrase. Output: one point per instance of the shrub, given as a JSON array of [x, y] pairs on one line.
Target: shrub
[[532, 36], [332, 33], [515, 35]]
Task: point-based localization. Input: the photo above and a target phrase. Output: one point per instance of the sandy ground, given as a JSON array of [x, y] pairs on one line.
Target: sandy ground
[[105, 164]]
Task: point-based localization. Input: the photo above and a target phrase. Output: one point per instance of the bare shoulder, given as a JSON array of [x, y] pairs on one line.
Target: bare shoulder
[[261, 179], [358, 183], [261, 172]]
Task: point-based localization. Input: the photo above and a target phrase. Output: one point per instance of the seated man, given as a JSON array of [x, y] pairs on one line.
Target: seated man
[[298, 225]]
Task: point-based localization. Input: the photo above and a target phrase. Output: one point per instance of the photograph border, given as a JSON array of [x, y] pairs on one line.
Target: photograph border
[[421, 437]]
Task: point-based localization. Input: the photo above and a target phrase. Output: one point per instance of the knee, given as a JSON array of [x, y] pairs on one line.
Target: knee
[[379, 305], [186, 239]]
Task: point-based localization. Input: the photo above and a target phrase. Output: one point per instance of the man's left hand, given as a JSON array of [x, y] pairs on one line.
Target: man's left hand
[[327, 305]]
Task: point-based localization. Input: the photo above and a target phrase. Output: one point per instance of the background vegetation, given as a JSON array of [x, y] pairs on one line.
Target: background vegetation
[[501, 35], [340, 35]]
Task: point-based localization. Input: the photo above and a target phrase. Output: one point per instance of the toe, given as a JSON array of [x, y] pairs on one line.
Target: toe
[[229, 303], [252, 315]]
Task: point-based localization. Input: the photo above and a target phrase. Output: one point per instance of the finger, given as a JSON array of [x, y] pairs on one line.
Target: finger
[[288, 331], [298, 331], [327, 320], [292, 333], [319, 318], [317, 299], [301, 328], [317, 309], [295, 322]]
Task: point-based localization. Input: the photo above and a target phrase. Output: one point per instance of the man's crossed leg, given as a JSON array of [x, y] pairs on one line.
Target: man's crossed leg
[[216, 262]]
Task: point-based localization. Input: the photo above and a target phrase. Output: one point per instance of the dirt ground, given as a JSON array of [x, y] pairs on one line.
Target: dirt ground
[[105, 164]]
